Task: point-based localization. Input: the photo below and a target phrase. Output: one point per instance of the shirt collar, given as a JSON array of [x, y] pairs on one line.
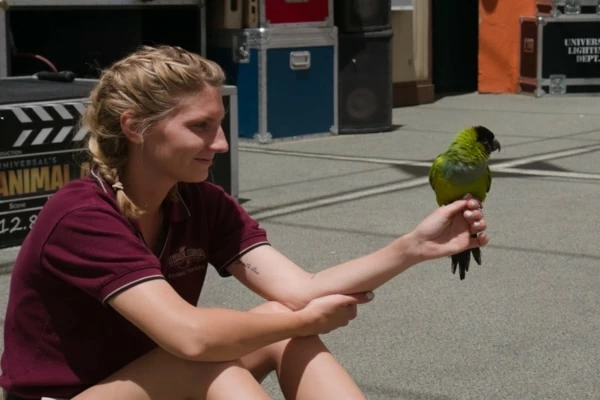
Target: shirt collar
[[177, 210]]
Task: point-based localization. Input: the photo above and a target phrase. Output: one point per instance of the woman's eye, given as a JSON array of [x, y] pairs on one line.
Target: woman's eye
[[200, 127]]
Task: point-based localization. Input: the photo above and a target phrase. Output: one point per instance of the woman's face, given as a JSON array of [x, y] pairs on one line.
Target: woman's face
[[182, 147]]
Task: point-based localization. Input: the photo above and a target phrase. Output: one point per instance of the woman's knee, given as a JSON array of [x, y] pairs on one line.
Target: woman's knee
[[269, 358]]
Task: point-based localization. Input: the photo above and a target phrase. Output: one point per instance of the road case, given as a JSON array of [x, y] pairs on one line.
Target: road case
[[560, 55], [556, 7], [42, 147], [286, 79], [95, 31], [242, 14], [289, 13]]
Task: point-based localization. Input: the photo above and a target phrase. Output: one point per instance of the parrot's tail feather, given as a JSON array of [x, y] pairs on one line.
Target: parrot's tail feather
[[476, 251], [463, 260], [454, 263], [476, 255]]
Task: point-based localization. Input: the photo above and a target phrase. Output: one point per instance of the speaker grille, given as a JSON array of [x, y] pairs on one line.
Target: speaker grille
[[365, 82]]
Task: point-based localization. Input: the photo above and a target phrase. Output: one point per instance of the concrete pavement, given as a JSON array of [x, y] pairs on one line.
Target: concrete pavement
[[525, 325]]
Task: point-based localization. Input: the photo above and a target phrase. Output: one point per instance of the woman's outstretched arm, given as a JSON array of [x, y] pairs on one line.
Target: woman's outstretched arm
[[447, 230]]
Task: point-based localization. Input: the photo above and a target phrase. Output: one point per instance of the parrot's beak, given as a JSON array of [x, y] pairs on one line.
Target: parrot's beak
[[496, 145]]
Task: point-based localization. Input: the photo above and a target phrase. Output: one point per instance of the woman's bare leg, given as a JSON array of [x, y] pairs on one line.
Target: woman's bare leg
[[305, 367], [159, 375]]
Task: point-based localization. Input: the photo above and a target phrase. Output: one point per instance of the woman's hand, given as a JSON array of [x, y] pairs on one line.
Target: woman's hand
[[324, 314], [451, 229]]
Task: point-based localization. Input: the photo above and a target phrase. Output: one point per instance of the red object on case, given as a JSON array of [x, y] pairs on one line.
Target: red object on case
[[297, 11]]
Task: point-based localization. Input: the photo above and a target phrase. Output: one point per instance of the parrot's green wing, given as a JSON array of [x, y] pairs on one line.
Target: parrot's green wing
[[489, 180], [435, 167]]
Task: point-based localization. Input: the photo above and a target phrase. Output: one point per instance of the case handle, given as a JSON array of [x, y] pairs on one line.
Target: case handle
[[299, 60]]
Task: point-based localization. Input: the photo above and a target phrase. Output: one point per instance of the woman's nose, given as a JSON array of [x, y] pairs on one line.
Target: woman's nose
[[219, 144]]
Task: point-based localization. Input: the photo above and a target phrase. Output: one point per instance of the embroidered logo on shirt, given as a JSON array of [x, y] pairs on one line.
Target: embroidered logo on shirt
[[185, 261]]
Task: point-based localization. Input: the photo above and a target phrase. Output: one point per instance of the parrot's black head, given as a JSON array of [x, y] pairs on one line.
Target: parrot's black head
[[487, 139]]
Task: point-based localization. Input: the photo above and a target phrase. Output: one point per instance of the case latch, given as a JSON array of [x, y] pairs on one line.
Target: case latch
[[558, 84], [241, 52]]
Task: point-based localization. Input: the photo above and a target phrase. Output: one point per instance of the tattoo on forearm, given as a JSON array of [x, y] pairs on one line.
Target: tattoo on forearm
[[252, 268], [248, 266]]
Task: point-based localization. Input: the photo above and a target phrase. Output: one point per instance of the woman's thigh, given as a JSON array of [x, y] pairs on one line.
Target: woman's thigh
[[159, 375]]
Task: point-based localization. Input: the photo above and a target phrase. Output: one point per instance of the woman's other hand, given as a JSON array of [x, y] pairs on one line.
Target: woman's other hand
[[324, 314]]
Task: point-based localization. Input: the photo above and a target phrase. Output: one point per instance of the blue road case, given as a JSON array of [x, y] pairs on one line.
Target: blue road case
[[286, 79]]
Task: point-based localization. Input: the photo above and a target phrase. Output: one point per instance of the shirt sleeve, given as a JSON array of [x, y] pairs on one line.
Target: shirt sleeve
[[98, 251], [233, 231]]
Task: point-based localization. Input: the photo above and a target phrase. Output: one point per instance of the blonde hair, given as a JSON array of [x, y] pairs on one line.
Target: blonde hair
[[150, 84]]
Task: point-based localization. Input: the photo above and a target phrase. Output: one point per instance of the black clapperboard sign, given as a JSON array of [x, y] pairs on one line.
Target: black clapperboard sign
[[40, 151]]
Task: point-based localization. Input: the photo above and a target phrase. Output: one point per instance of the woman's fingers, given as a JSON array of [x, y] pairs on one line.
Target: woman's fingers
[[473, 215], [482, 239], [478, 226]]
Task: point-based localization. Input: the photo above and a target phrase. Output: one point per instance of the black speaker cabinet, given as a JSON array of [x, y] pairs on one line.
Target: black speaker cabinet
[[365, 82], [362, 15]]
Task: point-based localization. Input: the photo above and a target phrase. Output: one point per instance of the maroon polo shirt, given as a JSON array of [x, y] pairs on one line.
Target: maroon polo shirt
[[60, 336]]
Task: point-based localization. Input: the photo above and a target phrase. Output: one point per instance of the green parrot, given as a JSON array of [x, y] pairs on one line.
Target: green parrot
[[463, 169]]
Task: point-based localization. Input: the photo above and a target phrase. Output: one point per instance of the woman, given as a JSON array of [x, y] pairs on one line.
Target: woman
[[103, 295]]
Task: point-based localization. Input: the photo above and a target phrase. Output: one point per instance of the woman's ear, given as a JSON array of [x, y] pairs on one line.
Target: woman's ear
[[130, 128]]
